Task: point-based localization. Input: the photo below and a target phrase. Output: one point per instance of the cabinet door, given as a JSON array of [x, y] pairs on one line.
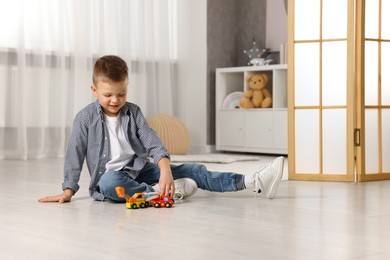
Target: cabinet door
[[258, 129], [280, 127], [230, 128]]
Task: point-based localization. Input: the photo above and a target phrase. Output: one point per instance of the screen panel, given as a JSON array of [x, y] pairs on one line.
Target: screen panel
[[385, 24], [373, 154], [371, 22], [371, 73], [307, 78], [334, 73], [307, 19], [320, 82], [307, 133], [371, 141], [334, 19], [334, 141], [386, 140], [385, 75]]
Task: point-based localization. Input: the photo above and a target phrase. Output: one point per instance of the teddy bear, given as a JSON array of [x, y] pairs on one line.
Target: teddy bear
[[256, 96]]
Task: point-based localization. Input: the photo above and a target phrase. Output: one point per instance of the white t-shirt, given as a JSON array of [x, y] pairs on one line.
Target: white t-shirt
[[120, 149]]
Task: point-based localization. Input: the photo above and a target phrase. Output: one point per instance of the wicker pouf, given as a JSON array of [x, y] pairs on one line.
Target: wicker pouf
[[171, 131]]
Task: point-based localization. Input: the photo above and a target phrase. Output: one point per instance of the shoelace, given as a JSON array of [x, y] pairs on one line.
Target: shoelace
[[256, 177], [178, 195]]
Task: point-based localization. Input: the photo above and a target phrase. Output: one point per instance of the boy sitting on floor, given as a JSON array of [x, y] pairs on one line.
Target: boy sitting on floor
[[114, 138]]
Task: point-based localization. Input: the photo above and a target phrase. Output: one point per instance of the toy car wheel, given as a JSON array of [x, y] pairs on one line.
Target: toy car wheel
[[134, 206], [142, 205], [168, 205], [156, 205], [147, 204]]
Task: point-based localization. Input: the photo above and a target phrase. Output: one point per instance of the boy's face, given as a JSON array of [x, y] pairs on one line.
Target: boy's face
[[111, 95]]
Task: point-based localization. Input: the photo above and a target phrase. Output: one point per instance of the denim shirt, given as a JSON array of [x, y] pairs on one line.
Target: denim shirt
[[89, 141]]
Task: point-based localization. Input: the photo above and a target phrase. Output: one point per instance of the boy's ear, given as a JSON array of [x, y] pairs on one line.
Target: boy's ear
[[93, 89]]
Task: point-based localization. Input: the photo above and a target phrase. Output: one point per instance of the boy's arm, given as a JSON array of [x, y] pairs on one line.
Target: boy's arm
[[76, 152], [167, 186], [149, 139], [74, 159], [155, 148]]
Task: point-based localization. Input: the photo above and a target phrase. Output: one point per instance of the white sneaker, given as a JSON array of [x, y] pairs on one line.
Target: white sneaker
[[267, 179], [184, 188]]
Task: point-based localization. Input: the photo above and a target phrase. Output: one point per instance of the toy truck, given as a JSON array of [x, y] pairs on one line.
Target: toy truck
[[136, 201], [142, 200]]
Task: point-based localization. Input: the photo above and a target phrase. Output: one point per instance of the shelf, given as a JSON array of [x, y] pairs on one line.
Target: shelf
[[261, 130]]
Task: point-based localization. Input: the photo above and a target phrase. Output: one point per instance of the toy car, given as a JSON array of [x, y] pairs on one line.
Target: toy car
[[162, 201], [136, 201], [144, 199]]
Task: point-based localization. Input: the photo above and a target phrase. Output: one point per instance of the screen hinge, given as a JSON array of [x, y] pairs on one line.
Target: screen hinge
[[357, 136]]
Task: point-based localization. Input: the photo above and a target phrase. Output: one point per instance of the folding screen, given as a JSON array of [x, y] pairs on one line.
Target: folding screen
[[328, 101]]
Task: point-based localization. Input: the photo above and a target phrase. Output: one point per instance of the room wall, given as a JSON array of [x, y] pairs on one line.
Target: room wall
[[276, 24], [215, 36], [231, 26]]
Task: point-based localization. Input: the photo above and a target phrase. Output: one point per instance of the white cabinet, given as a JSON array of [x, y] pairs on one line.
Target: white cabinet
[[261, 130]]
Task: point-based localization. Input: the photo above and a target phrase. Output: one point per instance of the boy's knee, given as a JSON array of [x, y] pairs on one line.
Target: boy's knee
[[109, 181], [199, 167], [107, 184]]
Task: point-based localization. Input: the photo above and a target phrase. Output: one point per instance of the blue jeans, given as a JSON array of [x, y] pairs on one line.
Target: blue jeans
[[150, 175]]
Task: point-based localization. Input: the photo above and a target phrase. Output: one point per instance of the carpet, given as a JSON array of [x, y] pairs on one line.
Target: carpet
[[213, 158]]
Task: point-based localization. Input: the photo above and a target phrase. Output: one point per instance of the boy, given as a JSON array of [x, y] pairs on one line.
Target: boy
[[114, 138]]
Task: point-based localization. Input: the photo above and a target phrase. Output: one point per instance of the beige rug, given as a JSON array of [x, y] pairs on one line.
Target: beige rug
[[213, 158]]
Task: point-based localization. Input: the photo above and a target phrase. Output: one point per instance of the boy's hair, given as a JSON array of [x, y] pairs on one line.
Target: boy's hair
[[109, 68]]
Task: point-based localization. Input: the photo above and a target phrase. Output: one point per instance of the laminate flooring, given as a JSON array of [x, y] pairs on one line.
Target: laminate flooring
[[306, 220]]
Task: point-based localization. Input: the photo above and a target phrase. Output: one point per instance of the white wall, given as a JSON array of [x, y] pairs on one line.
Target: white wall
[[192, 78]]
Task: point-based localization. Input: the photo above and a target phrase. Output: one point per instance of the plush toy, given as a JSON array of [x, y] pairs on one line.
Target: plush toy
[[256, 96]]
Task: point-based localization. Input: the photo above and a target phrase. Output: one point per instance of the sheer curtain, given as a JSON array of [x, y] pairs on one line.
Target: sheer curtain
[[47, 51]]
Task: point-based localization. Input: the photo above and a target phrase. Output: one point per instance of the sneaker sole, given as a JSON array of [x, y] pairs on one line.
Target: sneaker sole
[[271, 192]]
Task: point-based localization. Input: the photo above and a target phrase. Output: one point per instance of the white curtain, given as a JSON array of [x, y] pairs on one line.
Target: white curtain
[[47, 51]]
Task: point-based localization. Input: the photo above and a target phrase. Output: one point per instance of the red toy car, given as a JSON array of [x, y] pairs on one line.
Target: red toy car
[[162, 201]]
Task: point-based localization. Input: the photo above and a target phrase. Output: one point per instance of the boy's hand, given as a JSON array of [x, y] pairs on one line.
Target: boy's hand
[[167, 186], [66, 196]]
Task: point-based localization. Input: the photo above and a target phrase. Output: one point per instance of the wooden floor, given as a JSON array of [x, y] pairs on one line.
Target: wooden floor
[[307, 220]]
